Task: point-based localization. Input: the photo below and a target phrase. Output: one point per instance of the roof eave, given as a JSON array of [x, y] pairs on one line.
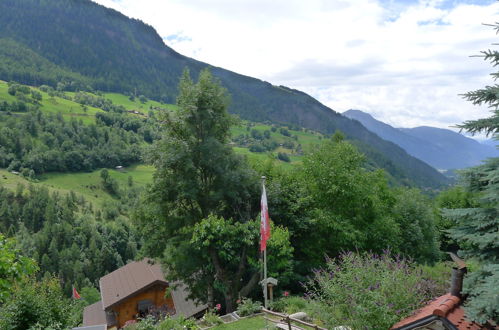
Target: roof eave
[[425, 321], [144, 288]]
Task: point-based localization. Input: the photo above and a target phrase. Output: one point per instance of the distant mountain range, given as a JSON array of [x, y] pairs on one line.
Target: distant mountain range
[[441, 148], [78, 44]]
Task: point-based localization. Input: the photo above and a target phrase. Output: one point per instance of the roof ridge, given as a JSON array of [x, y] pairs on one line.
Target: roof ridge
[[447, 305], [149, 267]]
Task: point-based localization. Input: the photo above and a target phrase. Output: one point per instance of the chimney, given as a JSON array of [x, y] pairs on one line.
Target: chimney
[[458, 272]]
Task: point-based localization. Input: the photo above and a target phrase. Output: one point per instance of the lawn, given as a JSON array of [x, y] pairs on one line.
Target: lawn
[[251, 323]]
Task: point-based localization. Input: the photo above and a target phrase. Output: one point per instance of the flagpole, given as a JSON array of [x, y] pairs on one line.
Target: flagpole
[[264, 263]]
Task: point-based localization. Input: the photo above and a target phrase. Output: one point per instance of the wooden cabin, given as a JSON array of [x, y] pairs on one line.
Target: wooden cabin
[[134, 291]]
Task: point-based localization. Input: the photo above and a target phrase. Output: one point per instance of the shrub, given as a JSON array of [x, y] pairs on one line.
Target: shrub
[[367, 291], [290, 305], [212, 319], [248, 307], [256, 148], [284, 132], [283, 157], [180, 323], [39, 305]]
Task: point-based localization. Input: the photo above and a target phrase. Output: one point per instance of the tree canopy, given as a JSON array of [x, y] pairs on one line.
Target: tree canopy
[[203, 199]]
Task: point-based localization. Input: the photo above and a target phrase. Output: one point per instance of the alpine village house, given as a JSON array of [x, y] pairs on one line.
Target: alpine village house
[[136, 290]]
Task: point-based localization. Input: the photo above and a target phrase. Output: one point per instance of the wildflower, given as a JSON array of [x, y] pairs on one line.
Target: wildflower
[[218, 307], [285, 294], [238, 301]]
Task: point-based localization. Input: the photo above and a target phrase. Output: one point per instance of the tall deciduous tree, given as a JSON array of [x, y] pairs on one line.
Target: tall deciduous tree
[[350, 206], [477, 228], [202, 194]]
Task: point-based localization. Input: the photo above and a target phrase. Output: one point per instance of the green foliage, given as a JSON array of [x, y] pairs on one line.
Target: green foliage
[[291, 304], [90, 295], [419, 239], [212, 319], [63, 236], [198, 179], [109, 184], [13, 266], [39, 305], [350, 206], [453, 198], [476, 228], [248, 307], [48, 143], [283, 156], [366, 291]]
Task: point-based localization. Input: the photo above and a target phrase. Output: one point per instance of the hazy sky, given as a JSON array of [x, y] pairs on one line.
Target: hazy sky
[[404, 62]]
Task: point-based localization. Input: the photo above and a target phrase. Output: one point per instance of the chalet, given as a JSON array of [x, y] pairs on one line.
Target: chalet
[[136, 290]]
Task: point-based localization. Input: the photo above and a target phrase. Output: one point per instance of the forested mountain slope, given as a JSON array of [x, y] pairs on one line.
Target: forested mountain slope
[[441, 148], [78, 44]]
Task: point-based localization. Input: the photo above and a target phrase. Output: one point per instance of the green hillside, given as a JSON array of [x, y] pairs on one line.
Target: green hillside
[[101, 49], [88, 183]]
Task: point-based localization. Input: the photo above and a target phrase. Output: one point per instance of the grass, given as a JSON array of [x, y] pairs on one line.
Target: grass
[[67, 108], [120, 99], [253, 323], [86, 184], [250, 323]]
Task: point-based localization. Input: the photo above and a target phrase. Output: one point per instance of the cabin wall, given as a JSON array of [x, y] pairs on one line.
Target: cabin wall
[[127, 310]]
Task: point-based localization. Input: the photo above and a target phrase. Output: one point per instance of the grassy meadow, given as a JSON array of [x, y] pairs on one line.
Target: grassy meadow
[[88, 183]]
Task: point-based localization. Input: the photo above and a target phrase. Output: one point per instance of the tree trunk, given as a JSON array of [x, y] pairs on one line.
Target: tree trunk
[[211, 297], [229, 302]]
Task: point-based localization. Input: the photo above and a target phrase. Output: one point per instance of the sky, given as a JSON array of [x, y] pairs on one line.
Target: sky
[[404, 62]]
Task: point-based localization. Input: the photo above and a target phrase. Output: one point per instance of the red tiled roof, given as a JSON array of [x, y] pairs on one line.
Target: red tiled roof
[[446, 307]]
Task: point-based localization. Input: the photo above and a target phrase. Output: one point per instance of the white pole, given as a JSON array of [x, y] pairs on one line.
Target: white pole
[[264, 264], [265, 277]]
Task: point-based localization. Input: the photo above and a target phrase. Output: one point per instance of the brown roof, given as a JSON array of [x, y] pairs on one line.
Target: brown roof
[[94, 315], [128, 280], [183, 305], [446, 308]]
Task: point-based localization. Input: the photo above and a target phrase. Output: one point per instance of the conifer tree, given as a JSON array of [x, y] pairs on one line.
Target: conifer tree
[[477, 228]]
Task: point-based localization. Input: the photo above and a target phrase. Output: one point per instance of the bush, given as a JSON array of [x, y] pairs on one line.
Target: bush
[[367, 291], [284, 132], [283, 156], [180, 323], [256, 148], [212, 319], [248, 307], [39, 305], [290, 305]]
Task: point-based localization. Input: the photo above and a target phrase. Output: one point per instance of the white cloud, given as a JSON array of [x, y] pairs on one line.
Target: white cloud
[[404, 62]]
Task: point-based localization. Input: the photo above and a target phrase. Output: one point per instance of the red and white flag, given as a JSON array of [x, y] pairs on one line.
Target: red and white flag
[[265, 221], [76, 295]]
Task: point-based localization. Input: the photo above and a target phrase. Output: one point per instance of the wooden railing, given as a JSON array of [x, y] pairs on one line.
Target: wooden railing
[[287, 320]]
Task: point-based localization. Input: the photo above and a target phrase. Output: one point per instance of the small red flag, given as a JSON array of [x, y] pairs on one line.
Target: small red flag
[[265, 221], [76, 295]]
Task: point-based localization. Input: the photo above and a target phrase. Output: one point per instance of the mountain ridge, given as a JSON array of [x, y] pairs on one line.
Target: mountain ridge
[[99, 48], [441, 148]]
